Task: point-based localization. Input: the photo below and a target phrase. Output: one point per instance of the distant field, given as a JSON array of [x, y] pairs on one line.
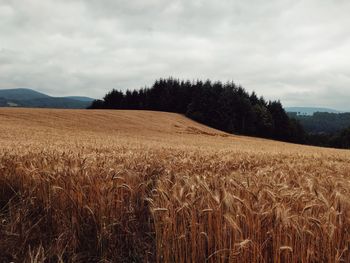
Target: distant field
[[139, 186]]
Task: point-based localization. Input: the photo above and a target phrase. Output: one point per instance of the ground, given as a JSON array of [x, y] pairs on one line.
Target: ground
[[121, 186]]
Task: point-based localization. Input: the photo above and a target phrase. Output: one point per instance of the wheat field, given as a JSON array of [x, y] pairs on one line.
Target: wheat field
[[138, 186]]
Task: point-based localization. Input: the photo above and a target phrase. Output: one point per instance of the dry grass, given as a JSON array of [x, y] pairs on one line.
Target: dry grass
[[133, 186]]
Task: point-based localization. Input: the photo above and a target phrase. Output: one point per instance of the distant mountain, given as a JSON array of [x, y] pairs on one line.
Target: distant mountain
[[21, 94], [310, 110], [80, 98], [33, 99]]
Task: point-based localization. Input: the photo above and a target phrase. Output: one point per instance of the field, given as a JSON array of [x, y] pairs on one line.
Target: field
[[138, 186]]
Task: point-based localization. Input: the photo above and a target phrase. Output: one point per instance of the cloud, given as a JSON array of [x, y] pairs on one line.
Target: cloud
[[296, 51]]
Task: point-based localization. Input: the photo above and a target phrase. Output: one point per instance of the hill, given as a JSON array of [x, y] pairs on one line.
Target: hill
[[227, 107], [324, 122], [31, 98], [144, 186], [152, 126], [310, 110], [21, 94], [80, 98]]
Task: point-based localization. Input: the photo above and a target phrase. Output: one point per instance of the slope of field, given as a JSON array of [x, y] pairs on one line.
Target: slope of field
[[107, 127], [138, 186]]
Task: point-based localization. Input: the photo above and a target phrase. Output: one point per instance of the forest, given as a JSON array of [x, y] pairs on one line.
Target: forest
[[323, 122], [224, 106], [325, 128]]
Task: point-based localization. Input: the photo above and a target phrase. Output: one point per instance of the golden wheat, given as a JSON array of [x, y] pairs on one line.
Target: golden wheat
[[134, 186]]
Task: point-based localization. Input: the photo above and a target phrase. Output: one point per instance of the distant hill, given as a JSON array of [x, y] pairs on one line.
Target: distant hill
[[310, 110], [323, 122], [80, 98], [30, 98], [21, 94]]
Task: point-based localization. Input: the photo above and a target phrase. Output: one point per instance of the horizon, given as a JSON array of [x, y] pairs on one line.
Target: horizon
[[285, 106], [291, 51]]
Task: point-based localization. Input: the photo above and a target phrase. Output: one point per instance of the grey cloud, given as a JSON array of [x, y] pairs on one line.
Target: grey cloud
[[296, 51]]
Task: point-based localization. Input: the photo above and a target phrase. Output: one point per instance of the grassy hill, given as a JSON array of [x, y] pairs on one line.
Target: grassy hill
[[33, 99], [142, 126], [142, 186]]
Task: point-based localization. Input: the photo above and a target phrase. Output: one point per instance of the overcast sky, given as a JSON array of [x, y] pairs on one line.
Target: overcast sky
[[295, 51]]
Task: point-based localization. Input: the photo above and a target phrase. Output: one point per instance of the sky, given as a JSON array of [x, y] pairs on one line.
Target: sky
[[295, 51]]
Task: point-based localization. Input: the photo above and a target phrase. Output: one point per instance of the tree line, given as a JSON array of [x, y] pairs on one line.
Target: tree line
[[339, 139], [326, 129], [323, 122], [227, 107]]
